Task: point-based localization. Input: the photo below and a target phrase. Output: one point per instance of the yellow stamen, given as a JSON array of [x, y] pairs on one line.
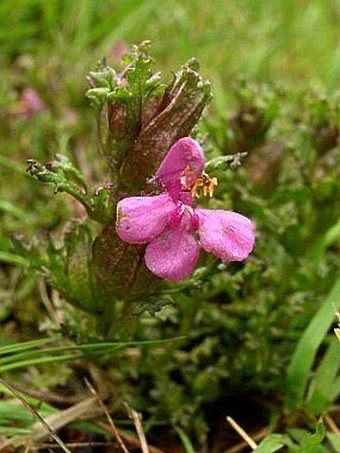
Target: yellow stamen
[[208, 186], [207, 183]]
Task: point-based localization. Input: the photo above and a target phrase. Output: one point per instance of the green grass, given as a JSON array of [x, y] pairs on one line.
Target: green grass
[[252, 38]]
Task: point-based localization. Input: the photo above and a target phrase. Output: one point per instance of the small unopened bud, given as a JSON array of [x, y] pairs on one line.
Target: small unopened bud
[[97, 95], [102, 79]]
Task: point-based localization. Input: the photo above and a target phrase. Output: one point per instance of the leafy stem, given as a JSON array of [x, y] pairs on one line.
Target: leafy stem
[[67, 178]]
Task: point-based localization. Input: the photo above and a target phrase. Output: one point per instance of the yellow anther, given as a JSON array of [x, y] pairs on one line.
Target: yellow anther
[[208, 186], [196, 183], [211, 186]]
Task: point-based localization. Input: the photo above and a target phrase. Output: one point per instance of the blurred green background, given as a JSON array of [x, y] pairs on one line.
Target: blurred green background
[[291, 40]]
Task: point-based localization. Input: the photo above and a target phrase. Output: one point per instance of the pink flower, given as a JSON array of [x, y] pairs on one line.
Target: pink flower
[[32, 102], [169, 223]]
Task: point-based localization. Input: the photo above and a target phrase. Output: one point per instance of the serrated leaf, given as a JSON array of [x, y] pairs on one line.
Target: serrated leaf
[[97, 95], [225, 162], [132, 91], [104, 78], [121, 94]]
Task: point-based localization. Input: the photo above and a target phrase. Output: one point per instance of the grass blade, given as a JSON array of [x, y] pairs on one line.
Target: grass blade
[[305, 352], [22, 346], [325, 386]]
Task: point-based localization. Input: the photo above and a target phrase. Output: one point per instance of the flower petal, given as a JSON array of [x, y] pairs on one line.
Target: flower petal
[[142, 219], [185, 153], [174, 255], [226, 234]]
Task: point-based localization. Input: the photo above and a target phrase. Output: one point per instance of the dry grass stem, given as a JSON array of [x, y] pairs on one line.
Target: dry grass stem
[[252, 444], [107, 414], [337, 333], [135, 443], [53, 313], [337, 328], [242, 445], [75, 445], [331, 424], [41, 421], [136, 418], [84, 410], [52, 398]]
